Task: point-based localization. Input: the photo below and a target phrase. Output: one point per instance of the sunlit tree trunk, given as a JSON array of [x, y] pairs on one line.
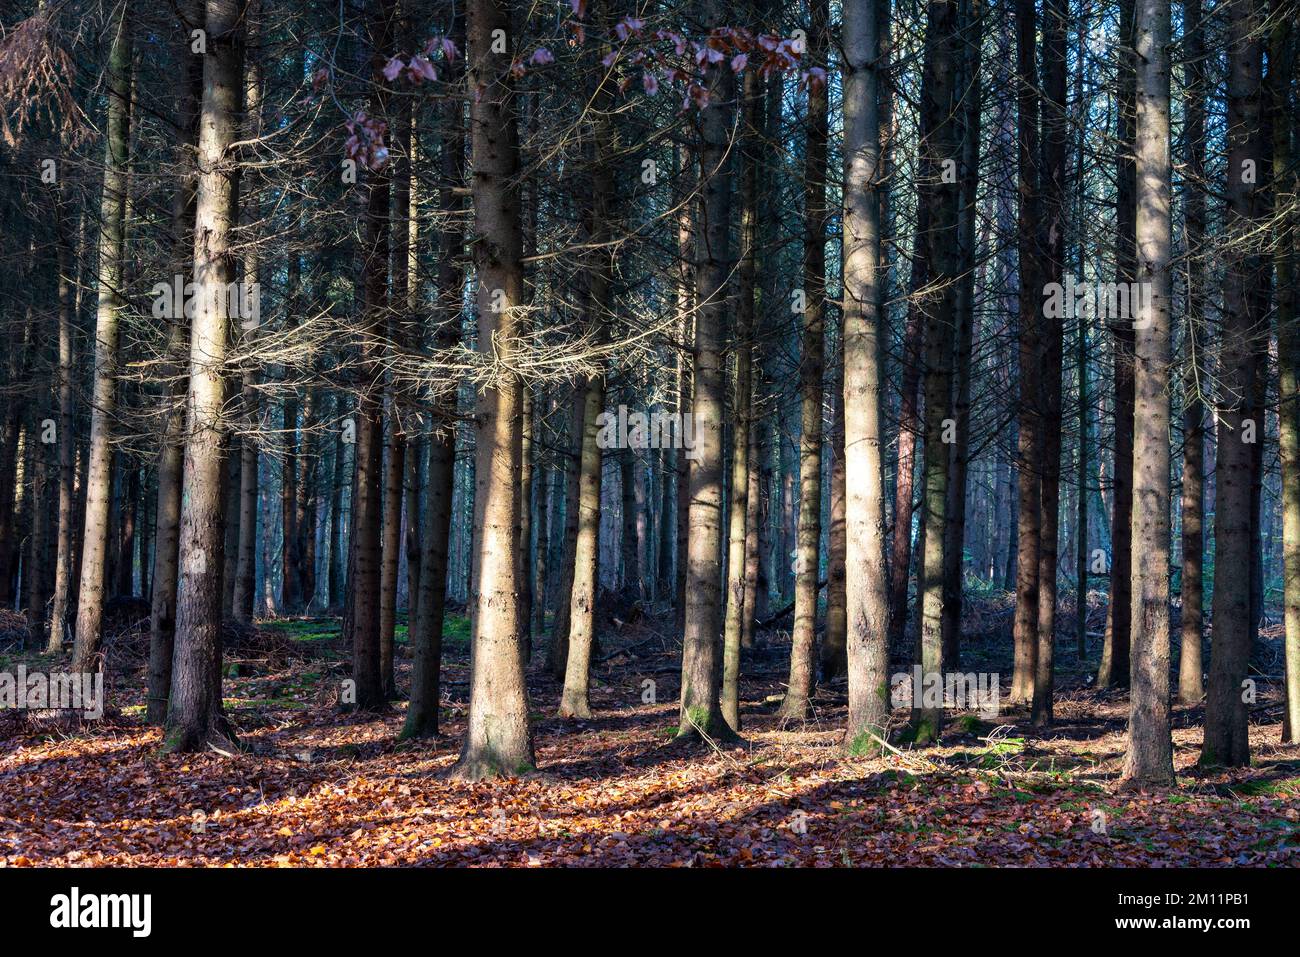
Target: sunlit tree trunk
[[112, 301], [499, 737], [195, 718], [867, 608], [1149, 759], [700, 706]]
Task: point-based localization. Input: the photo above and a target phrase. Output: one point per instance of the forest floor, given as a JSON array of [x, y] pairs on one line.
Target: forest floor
[[318, 787]]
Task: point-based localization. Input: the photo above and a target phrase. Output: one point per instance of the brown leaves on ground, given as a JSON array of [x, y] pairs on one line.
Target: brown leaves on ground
[[317, 788]]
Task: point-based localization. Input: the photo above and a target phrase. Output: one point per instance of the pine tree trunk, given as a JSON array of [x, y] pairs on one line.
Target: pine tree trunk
[[941, 150], [1029, 449], [867, 606], [738, 501], [701, 712], [112, 301], [499, 735], [812, 364], [1149, 759], [575, 694], [1282, 59], [195, 718], [1114, 667], [1190, 666], [1226, 721], [435, 536], [1055, 134], [365, 554], [167, 513]]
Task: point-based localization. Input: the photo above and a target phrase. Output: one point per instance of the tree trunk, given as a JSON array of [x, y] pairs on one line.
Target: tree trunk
[[700, 712], [941, 150], [195, 718], [803, 637], [1281, 73], [1149, 760], [1190, 666], [1226, 721], [365, 554], [1114, 667], [426, 631], [1030, 437], [112, 301], [1055, 134], [867, 607], [167, 513], [738, 502], [499, 736]]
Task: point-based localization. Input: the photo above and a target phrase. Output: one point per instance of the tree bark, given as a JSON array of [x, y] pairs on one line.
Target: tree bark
[[867, 606], [167, 513], [1226, 721], [1190, 666], [700, 711], [195, 718], [1149, 759], [803, 677], [112, 302], [499, 736]]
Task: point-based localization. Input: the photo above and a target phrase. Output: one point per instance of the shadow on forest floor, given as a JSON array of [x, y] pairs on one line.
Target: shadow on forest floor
[[316, 786]]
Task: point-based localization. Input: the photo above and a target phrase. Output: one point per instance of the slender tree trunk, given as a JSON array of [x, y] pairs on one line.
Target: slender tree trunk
[[941, 149], [112, 301], [1227, 740], [426, 631], [558, 650], [867, 607], [1055, 137], [1190, 667], [541, 555], [752, 519], [701, 712], [1282, 59], [365, 555], [67, 439], [738, 502], [909, 427], [970, 95], [1114, 667], [834, 655], [195, 718], [499, 736], [249, 459], [1030, 437], [812, 364], [167, 513], [574, 697], [1149, 759]]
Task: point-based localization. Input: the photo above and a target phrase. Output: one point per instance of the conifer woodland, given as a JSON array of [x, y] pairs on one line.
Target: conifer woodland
[[623, 432]]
